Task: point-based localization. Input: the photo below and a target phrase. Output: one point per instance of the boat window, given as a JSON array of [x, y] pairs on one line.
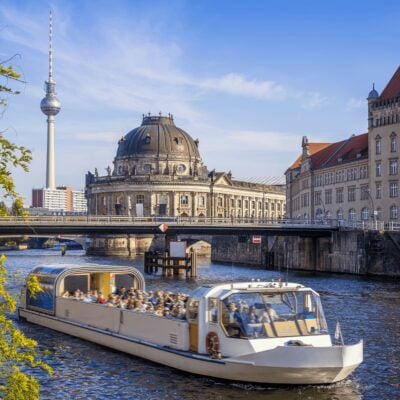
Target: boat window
[[44, 301], [285, 314], [192, 310], [213, 310], [74, 282], [124, 280]]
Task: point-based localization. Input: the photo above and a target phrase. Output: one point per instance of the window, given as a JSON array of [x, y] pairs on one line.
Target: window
[[147, 139], [339, 195], [246, 204], [352, 193], [393, 189], [352, 214], [339, 214], [147, 168], [278, 207], [232, 202], [273, 206], [184, 200], [213, 310], [393, 166], [201, 201], [378, 190], [220, 201], [365, 214], [239, 203], [180, 168], [317, 198], [253, 204], [364, 192], [378, 168], [140, 199], [378, 145], [328, 196], [394, 212], [393, 143], [378, 214]]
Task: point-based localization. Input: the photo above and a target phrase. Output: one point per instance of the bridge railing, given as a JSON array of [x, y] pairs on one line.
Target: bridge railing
[[218, 221]]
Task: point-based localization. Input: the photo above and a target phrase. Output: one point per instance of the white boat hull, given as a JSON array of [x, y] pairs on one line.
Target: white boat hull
[[282, 365]]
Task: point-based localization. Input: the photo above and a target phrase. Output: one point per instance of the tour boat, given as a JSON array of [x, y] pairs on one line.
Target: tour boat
[[259, 332]]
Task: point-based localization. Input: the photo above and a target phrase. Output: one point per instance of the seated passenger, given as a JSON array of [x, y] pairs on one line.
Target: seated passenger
[[77, 293], [87, 298], [264, 317], [130, 304], [252, 316], [65, 294], [272, 313], [307, 314], [94, 295], [101, 299]]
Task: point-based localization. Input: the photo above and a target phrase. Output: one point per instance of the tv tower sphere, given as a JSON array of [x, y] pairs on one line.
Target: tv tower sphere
[[50, 105]]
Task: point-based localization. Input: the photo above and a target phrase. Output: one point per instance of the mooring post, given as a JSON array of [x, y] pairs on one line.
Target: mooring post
[[193, 262]]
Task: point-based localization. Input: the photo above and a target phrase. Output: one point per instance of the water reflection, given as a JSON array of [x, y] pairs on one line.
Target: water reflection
[[367, 308]]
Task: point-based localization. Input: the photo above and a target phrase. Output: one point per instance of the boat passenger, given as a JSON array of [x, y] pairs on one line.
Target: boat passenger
[[271, 312], [101, 299], [87, 298], [264, 317], [94, 295], [130, 304], [307, 314], [65, 294]]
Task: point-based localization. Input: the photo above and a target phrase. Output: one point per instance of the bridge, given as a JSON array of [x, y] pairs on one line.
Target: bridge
[[117, 225]]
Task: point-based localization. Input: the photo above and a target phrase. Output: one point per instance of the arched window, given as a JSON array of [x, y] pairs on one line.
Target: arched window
[[201, 201], [352, 214], [394, 212], [365, 214], [339, 214]]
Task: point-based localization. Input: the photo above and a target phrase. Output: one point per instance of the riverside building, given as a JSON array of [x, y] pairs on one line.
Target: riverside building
[[356, 178], [158, 171]]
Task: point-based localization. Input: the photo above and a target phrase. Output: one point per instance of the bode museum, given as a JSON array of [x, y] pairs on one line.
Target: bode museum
[[158, 171]]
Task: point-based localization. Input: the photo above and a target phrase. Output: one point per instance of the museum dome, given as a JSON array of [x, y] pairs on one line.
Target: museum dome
[[158, 136]]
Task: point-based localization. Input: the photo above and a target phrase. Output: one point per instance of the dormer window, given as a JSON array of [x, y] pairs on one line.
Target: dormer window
[[147, 139], [178, 140]]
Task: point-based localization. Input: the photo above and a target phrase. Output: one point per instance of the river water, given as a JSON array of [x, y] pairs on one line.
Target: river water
[[367, 308]]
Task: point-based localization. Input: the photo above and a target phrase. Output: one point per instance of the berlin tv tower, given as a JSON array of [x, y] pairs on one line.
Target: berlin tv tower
[[50, 106]]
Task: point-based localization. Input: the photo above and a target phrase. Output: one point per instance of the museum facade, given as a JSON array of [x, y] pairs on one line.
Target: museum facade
[[158, 171]]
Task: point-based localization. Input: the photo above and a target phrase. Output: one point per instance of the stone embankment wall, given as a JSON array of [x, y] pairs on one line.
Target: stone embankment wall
[[351, 252]]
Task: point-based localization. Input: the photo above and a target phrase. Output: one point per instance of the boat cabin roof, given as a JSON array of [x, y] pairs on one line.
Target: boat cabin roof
[[224, 290], [59, 271]]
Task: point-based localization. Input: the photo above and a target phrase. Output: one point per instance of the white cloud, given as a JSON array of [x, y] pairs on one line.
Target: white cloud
[[353, 104], [241, 85]]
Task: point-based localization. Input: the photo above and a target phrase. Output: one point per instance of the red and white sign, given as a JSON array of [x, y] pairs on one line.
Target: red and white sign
[[163, 228], [256, 239]]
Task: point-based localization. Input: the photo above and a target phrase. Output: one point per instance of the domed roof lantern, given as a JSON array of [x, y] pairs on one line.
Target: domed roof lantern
[[373, 94]]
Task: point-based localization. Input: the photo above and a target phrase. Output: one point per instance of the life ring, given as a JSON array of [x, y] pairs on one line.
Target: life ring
[[212, 343]]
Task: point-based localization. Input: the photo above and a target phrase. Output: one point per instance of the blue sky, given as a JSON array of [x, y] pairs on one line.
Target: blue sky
[[247, 78]]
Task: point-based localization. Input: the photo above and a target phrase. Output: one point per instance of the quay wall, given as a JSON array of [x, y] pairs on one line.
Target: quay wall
[[351, 252]]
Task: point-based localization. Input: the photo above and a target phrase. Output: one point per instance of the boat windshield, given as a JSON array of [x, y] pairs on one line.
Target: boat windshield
[[281, 314]]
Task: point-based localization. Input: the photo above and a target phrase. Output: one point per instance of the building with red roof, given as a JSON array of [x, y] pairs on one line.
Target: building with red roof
[[356, 178]]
